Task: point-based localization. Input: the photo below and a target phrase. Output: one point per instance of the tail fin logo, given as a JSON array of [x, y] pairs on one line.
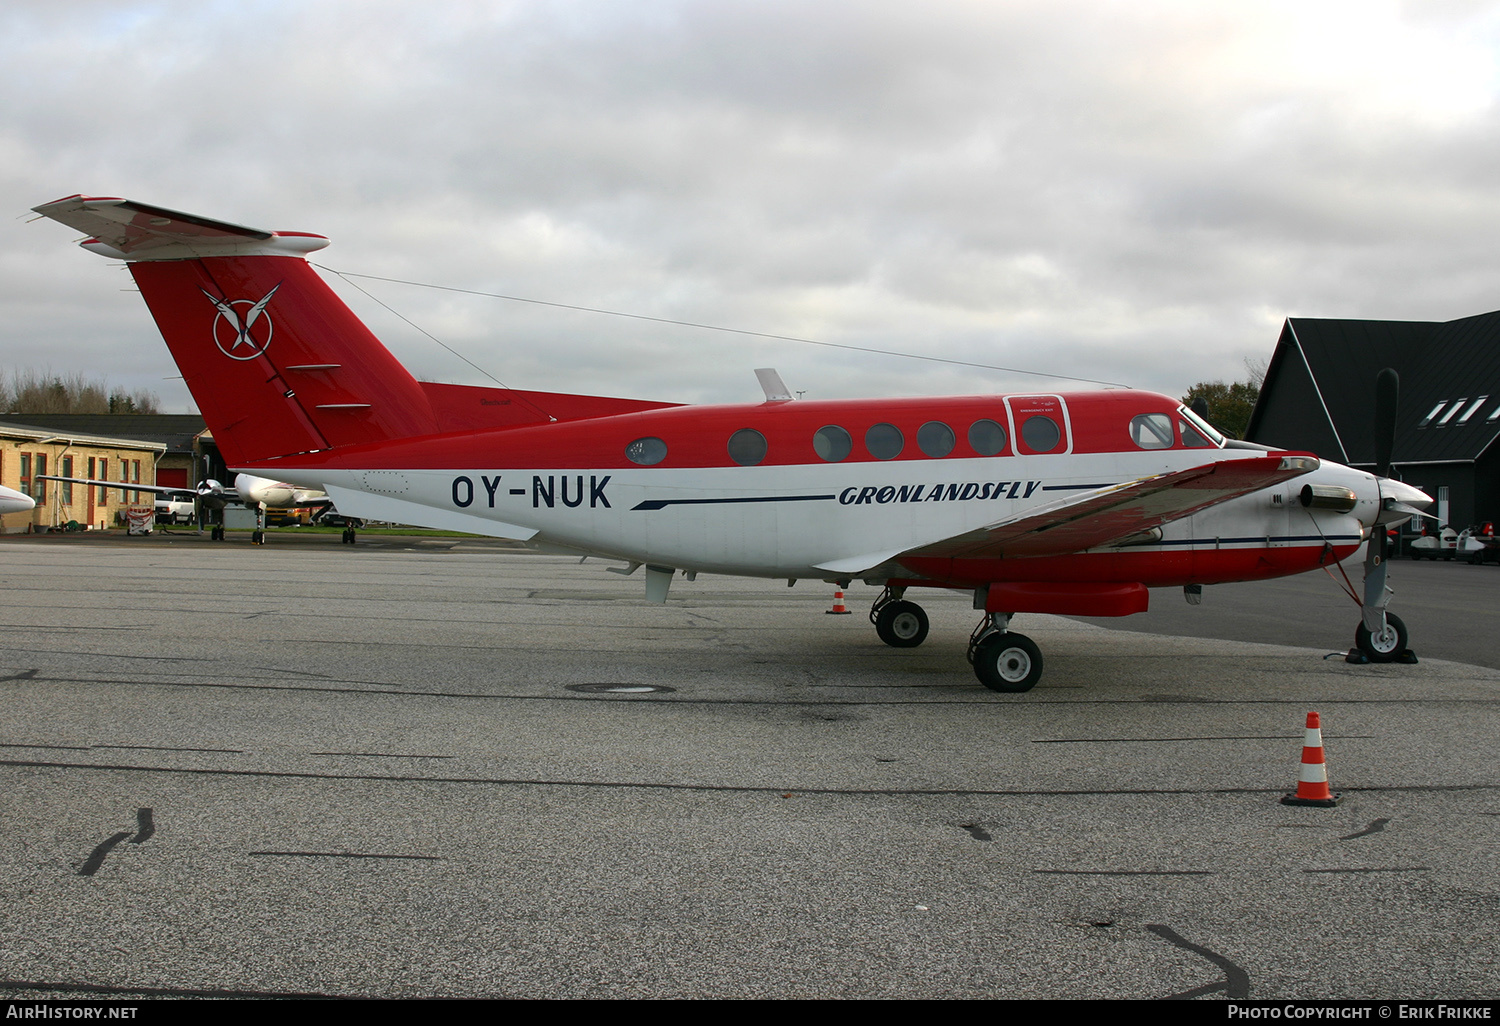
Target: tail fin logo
[[234, 336]]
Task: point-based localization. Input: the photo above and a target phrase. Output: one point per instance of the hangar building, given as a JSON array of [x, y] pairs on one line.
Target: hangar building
[[1319, 396]]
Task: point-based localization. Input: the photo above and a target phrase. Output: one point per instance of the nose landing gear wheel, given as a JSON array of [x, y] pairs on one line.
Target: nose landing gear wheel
[[1008, 662], [901, 624], [1385, 646]]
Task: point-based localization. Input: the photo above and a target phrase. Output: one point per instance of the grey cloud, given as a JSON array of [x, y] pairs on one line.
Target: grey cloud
[[1142, 190]]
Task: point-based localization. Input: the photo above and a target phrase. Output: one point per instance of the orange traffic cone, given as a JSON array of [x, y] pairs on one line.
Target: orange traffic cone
[[1312, 782], [839, 608]]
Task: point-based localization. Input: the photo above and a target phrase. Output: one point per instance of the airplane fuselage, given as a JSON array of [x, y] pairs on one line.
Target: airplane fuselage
[[794, 513]]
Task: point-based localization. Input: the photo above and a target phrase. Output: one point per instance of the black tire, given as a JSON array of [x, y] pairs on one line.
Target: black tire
[[1008, 662], [1387, 646], [901, 624]]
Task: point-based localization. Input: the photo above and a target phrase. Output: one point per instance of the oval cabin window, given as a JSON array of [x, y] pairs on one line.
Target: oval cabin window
[[747, 447], [832, 443], [936, 439], [986, 437], [1041, 434], [646, 451], [884, 441]]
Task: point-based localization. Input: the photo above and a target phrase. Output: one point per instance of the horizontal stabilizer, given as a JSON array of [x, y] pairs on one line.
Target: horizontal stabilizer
[[127, 230]]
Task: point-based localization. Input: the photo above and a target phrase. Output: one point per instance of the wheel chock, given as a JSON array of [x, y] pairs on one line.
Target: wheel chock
[[1312, 781]]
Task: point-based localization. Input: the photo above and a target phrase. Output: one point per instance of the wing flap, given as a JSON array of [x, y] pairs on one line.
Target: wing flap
[[1119, 511]]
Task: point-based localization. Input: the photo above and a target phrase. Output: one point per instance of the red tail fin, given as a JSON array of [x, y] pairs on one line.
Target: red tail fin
[[277, 363]]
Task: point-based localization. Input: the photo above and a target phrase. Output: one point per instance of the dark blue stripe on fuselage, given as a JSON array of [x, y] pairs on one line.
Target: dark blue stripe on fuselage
[[650, 504]]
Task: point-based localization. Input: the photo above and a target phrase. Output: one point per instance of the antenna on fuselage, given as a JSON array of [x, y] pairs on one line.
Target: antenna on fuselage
[[771, 383]]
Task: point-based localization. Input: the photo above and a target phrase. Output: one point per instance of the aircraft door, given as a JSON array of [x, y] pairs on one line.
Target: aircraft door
[[1039, 424]]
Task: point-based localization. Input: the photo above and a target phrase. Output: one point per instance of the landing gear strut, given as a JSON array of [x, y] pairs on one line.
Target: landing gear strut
[[900, 624], [1004, 660]]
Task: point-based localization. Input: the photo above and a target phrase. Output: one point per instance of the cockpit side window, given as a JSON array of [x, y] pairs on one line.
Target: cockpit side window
[[1191, 436], [1210, 438], [1151, 431]]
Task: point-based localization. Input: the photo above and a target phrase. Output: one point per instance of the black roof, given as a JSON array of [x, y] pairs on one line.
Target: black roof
[[1453, 363], [174, 430]]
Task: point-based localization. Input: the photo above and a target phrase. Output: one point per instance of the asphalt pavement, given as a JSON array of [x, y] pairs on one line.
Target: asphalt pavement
[[442, 768]]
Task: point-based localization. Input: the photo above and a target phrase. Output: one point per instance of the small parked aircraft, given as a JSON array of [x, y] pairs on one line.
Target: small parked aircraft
[[257, 493], [1036, 503]]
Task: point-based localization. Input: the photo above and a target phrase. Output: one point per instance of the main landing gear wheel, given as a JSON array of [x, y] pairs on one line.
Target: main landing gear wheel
[[1385, 646], [901, 624], [1008, 662], [348, 536]]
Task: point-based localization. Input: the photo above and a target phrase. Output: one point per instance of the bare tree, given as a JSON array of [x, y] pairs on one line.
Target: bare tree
[[30, 391]]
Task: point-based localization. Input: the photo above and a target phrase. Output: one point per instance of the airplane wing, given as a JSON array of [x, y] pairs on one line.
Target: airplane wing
[[1119, 511], [1097, 517], [126, 486], [215, 499]]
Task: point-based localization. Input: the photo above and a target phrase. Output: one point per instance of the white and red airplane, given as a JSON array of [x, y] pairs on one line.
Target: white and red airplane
[[1036, 503]]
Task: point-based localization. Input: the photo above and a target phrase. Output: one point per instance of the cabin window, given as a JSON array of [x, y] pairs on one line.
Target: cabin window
[[1041, 434], [1151, 431], [648, 452], [936, 439], [832, 443], [986, 437], [747, 447], [884, 441]]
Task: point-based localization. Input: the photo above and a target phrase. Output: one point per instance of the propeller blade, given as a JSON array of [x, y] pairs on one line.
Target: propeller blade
[[1387, 391]]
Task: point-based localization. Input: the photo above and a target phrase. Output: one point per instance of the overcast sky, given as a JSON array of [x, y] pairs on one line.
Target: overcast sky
[[1133, 192]]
